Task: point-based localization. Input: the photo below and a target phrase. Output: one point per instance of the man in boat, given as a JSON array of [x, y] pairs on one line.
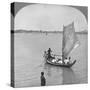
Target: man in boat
[[59, 61], [49, 54], [69, 59], [66, 61], [43, 80]]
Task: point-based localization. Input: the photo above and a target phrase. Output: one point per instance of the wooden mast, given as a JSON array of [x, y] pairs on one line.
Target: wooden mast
[[63, 45]]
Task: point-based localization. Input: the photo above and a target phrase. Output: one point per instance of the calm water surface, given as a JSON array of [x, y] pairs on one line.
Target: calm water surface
[[29, 60]]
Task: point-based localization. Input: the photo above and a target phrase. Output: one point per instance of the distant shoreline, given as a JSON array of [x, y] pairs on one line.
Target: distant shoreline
[[46, 32]]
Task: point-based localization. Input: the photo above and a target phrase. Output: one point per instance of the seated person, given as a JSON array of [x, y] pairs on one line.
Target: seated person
[[54, 60], [69, 59], [60, 61], [66, 61]]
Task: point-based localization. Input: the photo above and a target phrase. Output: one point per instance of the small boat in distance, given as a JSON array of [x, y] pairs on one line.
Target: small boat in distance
[[69, 42]]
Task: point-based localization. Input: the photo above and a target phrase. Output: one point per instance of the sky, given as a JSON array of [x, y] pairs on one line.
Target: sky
[[47, 17]]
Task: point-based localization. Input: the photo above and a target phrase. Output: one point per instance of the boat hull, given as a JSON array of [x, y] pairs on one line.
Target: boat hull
[[61, 65]]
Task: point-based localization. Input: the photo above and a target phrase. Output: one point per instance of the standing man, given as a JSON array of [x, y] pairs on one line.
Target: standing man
[[49, 53], [43, 80]]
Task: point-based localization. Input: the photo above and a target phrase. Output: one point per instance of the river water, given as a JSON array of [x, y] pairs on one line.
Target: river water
[[29, 61]]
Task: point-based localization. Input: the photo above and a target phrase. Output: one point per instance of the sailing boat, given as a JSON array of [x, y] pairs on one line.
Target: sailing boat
[[69, 43]]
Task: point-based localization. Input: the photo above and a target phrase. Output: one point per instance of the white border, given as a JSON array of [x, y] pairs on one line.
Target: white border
[[5, 44]]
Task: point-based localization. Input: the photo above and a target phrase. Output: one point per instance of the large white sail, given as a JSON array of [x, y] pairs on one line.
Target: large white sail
[[70, 40]]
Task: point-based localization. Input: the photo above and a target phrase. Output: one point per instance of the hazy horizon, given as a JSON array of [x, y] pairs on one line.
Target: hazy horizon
[[43, 30]]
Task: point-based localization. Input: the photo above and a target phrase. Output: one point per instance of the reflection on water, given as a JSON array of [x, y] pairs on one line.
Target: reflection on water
[[54, 75], [50, 69], [63, 75], [68, 76]]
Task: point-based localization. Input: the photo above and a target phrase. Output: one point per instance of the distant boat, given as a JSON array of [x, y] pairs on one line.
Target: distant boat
[[69, 42]]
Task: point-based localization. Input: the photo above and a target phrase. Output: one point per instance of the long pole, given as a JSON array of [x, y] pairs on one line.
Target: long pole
[[63, 46]]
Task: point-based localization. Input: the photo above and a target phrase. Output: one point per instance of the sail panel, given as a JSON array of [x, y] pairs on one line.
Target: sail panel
[[69, 39]]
